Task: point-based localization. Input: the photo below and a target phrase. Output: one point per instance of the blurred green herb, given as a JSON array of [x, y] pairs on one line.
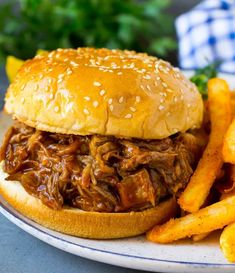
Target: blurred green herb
[[202, 76], [27, 25]]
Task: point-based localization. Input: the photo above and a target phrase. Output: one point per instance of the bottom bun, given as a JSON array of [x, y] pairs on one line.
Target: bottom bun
[[94, 225]]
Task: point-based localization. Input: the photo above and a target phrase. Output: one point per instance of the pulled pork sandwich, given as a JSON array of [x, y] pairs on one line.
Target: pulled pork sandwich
[[101, 144]]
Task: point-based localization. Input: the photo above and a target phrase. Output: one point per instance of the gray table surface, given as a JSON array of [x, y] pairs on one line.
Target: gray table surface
[[22, 253]]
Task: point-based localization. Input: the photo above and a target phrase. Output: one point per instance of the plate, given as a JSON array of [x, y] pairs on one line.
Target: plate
[[137, 253]]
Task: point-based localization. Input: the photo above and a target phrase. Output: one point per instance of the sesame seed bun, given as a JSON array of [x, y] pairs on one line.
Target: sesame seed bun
[[85, 224], [100, 91]]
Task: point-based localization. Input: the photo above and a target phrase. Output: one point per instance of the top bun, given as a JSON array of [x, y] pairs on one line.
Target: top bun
[[101, 91]]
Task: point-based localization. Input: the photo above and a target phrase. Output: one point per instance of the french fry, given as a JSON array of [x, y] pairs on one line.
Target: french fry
[[228, 183], [229, 144], [211, 162], [13, 64], [233, 102], [227, 194], [200, 237], [227, 242], [205, 220]]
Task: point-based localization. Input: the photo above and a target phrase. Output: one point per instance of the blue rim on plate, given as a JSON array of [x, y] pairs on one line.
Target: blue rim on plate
[[13, 213]]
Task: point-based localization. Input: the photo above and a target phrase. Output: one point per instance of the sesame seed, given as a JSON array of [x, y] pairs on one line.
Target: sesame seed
[[147, 77], [86, 111], [175, 130], [23, 100], [176, 69], [74, 64], [158, 78], [69, 72], [40, 76], [137, 98], [35, 87], [121, 99], [56, 108], [119, 73], [148, 87], [51, 96], [128, 116], [102, 92], [165, 70], [47, 88], [175, 99], [92, 62], [169, 90], [111, 107], [87, 98], [132, 109], [161, 100], [51, 54], [60, 80], [23, 86], [188, 105], [95, 103], [164, 84], [110, 101], [161, 107], [50, 81], [97, 84]]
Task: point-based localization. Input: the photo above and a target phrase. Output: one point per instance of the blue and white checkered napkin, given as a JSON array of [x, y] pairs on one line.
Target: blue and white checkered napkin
[[207, 34]]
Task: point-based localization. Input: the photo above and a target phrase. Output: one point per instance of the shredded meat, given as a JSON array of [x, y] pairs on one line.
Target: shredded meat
[[98, 173]]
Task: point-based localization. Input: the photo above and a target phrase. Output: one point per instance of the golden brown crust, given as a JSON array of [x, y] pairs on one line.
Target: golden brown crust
[[85, 224], [110, 92]]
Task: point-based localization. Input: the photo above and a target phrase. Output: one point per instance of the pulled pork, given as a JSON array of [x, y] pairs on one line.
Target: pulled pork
[[98, 173]]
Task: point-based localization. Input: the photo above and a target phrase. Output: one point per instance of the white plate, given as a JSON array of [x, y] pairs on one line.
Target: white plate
[[183, 256]]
